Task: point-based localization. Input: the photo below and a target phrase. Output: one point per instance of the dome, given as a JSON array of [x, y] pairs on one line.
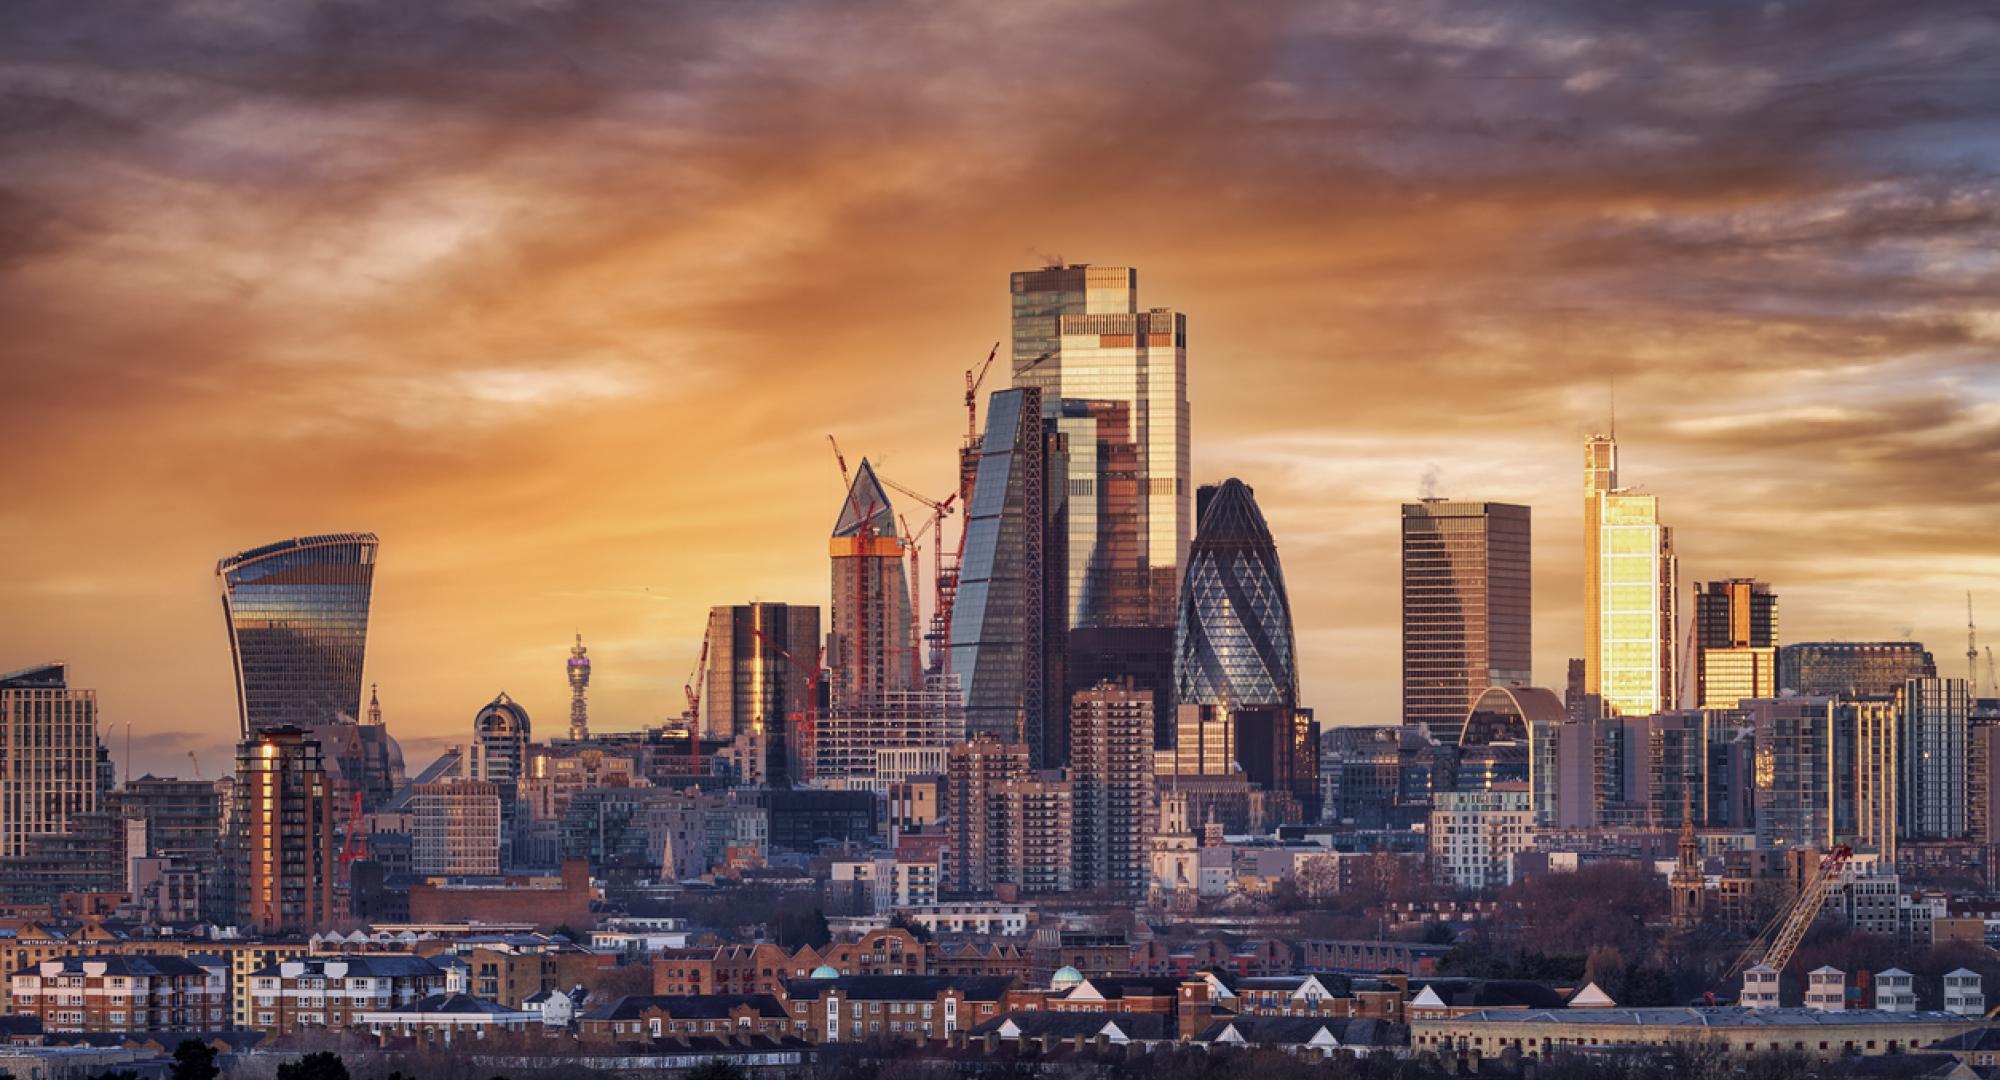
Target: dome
[[501, 716], [825, 971], [1065, 977]]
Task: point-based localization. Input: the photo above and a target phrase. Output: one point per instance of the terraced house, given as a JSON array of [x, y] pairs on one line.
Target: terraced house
[[335, 991], [99, 994]]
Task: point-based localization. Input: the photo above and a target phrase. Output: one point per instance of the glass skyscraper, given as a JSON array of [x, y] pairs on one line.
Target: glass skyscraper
[[1234, 655], [1007, 623], [53, 767], [1631, 580], [297, 613], [1080, 338], [1852, 668], [751, 688], [1735, 639], [1467, 596]]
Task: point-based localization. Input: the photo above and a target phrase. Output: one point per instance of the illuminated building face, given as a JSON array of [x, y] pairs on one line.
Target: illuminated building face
[[1630, 587]]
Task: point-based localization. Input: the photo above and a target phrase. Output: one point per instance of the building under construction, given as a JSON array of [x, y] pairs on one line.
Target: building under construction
[[871, 651], [890, 737]]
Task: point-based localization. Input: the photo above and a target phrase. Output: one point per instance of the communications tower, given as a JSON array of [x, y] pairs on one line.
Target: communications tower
[[579, 681]]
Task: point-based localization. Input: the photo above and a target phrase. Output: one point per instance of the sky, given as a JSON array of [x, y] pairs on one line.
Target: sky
[[562, 300]]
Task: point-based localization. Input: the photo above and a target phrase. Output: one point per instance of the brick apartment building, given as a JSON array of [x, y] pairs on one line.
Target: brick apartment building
[[98, 994]]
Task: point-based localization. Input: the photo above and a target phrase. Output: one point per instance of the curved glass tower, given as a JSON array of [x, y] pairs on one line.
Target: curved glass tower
[[1233, 643], [297, 612]]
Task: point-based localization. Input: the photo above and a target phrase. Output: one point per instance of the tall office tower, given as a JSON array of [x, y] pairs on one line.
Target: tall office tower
[[1936, 731], [871, 651], [1078, 334], [1735, 642], [282, 833], [1467, 603], [1790, 796], [501, 736], [1007, 623], [751, 687], [1115, 632], [1111, 768], [52, 765], [298, 626], [975, 772], [1863, 748], [1233, 647], [1630, 585], [1852, 668], [455, 828], [577, 670]]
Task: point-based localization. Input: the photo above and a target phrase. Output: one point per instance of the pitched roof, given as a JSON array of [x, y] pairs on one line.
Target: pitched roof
[[453, 1005], [865, 497], [143, 966], [903, 987], [1037, 1023], [358, 966], [688, 1006]]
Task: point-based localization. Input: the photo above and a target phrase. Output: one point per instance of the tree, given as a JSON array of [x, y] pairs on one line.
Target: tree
[[917, 930], [194, 1060], [716, 1069], [323, 1065]]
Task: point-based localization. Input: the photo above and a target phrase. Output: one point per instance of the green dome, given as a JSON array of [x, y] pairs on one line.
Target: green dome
[[1065, 977], [825, 971]]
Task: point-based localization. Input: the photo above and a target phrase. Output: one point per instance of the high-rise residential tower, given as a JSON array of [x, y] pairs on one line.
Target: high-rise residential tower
[[871, 650], [1007, 623], [1079, 336], [751, 688], [577, 670], [1467, 606], [1234, 653], [1735, 642], [1935, 718], [1111, 770], [53, 767], [282, 833], [1631, 580], [499, 756], [297, 612]]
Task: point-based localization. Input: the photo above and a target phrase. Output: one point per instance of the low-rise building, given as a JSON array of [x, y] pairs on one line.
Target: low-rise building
[[334, 992], [1815, 1032], [98, 994], [448, 1018], [856, 1008], [653, 1016]]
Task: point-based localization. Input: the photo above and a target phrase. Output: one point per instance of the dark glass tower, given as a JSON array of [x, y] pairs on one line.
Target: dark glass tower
[[1466, 605], [1008, 622], [1234, 654], [297, 612]]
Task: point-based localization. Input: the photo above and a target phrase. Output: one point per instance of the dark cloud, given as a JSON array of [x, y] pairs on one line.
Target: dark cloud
[[553, 292]]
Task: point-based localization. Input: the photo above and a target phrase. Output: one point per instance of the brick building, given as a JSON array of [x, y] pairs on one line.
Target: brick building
[[333, 992], [99, 994]]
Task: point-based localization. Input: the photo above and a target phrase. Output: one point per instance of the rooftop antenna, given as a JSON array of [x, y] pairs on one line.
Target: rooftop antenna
[[1613, 380]]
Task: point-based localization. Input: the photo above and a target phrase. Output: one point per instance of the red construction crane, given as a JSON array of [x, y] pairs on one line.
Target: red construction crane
[[944, 580], [802, 722], [972, 383], [692, 716], [356, 845]]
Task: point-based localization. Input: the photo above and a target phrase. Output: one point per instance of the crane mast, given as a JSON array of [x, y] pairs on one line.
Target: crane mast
[[1789, 928]]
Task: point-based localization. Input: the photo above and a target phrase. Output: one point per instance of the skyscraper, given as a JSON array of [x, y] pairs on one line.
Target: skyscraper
[[1630, 584], [577, 670], [499, 756], [871, 650], [1735, 642], [1078, 335], [1111, 770], [1790, 796], [455, 828], [297, 612], [1234, 657], [751, 687], [1862, 783], [1936, 728], [1467, 606], [975, 772], [1007, 623], [53, 767], [282, 833]]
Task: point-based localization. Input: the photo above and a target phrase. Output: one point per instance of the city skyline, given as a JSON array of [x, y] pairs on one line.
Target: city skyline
[[545, 447]]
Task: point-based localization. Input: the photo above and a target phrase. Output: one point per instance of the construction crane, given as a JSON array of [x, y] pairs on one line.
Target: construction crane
[[1971, 650], [1784, 932], [972, 384], [1992, 674], [196, 762], [944, 579], [802, 722], [355, 847], [692, 715]]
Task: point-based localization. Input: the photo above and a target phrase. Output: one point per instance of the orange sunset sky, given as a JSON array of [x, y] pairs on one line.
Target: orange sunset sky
[[562, 299]]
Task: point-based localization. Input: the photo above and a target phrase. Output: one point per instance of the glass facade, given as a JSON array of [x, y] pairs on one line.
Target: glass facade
[[1466, 608], [1735, 634], [1854, 668], [53, 767], [1631, 579], [1790, 774], [1935, 733], [1080, 337], [750, 687], [297, 613], [1007, 621]]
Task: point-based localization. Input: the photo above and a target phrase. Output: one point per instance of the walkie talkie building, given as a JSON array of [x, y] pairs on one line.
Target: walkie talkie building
[[298, 626]]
